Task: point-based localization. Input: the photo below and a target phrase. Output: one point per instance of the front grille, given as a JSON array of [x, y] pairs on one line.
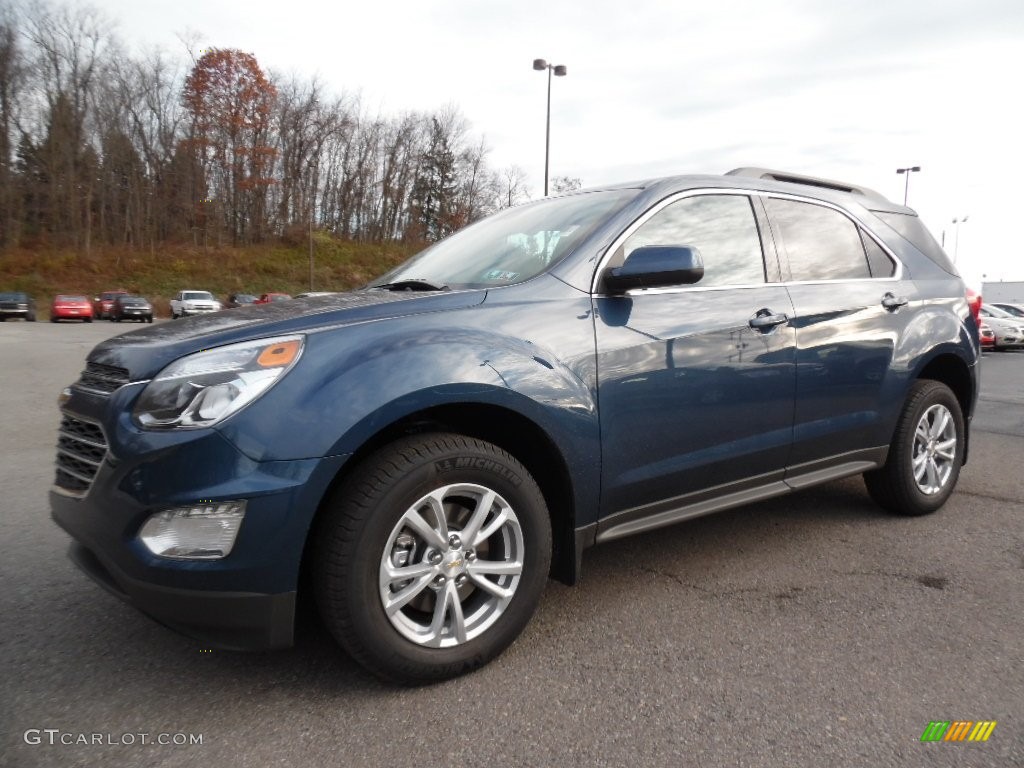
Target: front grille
[[102, 378], [81, 448]]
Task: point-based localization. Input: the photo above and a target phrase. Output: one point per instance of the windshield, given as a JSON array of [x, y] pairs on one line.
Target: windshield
[[988, 309], [511, 246], [1015, 311], [197, 295]]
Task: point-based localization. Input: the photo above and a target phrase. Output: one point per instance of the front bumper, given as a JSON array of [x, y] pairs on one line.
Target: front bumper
[[243, 601], [239, 621]]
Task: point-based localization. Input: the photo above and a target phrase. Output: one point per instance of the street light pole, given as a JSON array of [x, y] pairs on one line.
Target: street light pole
[[906, 183], [956, 236], [312, 210], [559, 71]]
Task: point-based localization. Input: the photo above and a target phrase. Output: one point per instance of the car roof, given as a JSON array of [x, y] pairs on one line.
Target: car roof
[[768, 180]]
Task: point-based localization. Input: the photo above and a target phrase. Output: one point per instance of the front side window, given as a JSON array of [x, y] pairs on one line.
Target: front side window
[[821, 243], [721, 227]]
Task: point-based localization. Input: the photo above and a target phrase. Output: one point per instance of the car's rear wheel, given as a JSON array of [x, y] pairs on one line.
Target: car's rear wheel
[[925, 455], [431, 557]]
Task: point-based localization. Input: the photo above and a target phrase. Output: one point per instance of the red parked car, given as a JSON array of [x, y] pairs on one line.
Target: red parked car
[[988, 337], [68, 307], [103, 303], [268, 298]]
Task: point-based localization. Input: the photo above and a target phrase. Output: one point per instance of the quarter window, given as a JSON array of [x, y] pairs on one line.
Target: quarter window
[[881, 265], [821, 243], [721, 227]]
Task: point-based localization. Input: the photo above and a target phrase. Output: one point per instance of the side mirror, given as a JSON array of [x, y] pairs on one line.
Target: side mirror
[[656, 266]]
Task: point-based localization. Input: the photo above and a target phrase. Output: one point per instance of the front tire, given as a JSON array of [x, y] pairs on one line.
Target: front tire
[[431, 557], [925, 455]]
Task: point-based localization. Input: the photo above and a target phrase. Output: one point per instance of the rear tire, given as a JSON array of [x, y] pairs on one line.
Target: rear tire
[[925, 455], [431, 557]]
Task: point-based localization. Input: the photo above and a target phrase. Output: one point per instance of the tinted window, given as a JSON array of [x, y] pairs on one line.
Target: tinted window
[[196, 296], [821, 243], [878, 260], [911, 228], [721, 227]]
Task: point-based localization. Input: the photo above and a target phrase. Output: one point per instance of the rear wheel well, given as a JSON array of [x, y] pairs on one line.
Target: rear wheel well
[[954, 373], [510, 431]]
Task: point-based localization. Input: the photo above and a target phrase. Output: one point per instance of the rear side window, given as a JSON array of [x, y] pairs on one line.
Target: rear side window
[[721, 227], [821, 243], [878, 261], [911, 228]]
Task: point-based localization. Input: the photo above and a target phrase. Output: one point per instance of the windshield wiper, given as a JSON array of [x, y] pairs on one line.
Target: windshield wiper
[[413, 284]]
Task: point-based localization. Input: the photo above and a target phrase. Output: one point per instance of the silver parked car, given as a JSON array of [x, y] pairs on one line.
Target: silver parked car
[[1009, 330], [1017, 310]]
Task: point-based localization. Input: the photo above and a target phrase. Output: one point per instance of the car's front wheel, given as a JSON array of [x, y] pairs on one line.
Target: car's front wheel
[[925, 455], [432, 556]]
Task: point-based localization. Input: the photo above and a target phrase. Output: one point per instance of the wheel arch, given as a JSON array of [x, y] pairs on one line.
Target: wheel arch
[[951, 370], [511, 431]]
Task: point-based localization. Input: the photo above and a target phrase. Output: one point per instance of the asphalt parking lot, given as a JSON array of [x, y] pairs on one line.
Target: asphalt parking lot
[[812, 630]]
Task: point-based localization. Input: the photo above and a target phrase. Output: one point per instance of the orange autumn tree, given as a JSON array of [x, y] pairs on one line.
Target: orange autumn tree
[[230, 102]]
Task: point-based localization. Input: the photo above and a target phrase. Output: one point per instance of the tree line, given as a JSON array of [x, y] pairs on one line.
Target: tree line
[[99, 146]]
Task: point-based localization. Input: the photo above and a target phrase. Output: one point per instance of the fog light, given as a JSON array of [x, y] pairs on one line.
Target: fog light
[[198, 532]]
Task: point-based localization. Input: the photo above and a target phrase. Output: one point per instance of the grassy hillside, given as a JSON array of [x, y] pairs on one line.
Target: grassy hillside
[[158, 275]]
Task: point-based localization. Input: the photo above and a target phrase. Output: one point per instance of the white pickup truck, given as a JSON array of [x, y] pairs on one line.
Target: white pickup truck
[[193, 303]]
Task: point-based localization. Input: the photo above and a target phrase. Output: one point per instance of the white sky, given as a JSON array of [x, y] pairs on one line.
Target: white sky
[[847, 90]]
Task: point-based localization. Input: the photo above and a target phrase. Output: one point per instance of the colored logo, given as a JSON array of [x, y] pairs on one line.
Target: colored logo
[[958, 730]]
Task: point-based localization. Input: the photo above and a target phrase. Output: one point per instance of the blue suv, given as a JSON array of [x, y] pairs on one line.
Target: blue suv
[[421, 454]]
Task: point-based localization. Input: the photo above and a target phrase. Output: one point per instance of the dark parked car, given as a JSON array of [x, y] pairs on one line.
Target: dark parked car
[[131, 308], [236, 300], [104, 303], [427, 450], [17, 304]]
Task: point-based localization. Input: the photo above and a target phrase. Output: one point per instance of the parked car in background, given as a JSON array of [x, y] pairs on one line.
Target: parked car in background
[[270, 298], [70, 307], [987, 336], [1009, 330], [239, 300], [310, 294], [102, 304], [421, 454], [131, 308], [1017, 310], [974, 304], [187, 303], [17, 304]]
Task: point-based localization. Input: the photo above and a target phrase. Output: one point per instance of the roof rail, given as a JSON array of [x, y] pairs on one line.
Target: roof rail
[[811, 181]]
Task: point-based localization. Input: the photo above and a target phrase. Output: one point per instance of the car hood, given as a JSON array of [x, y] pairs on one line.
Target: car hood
[[146, 351]]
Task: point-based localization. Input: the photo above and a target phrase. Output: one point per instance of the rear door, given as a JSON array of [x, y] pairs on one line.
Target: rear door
[[852, 306], [695, 401]]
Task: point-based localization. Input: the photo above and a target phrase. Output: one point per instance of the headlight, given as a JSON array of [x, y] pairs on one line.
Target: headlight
[[201, 389]]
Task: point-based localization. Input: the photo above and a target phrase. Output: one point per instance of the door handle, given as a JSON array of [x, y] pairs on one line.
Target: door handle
[[892, 302], [765, 320]]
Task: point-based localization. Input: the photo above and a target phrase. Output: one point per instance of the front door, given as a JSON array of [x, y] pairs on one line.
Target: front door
[[695, 388]]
